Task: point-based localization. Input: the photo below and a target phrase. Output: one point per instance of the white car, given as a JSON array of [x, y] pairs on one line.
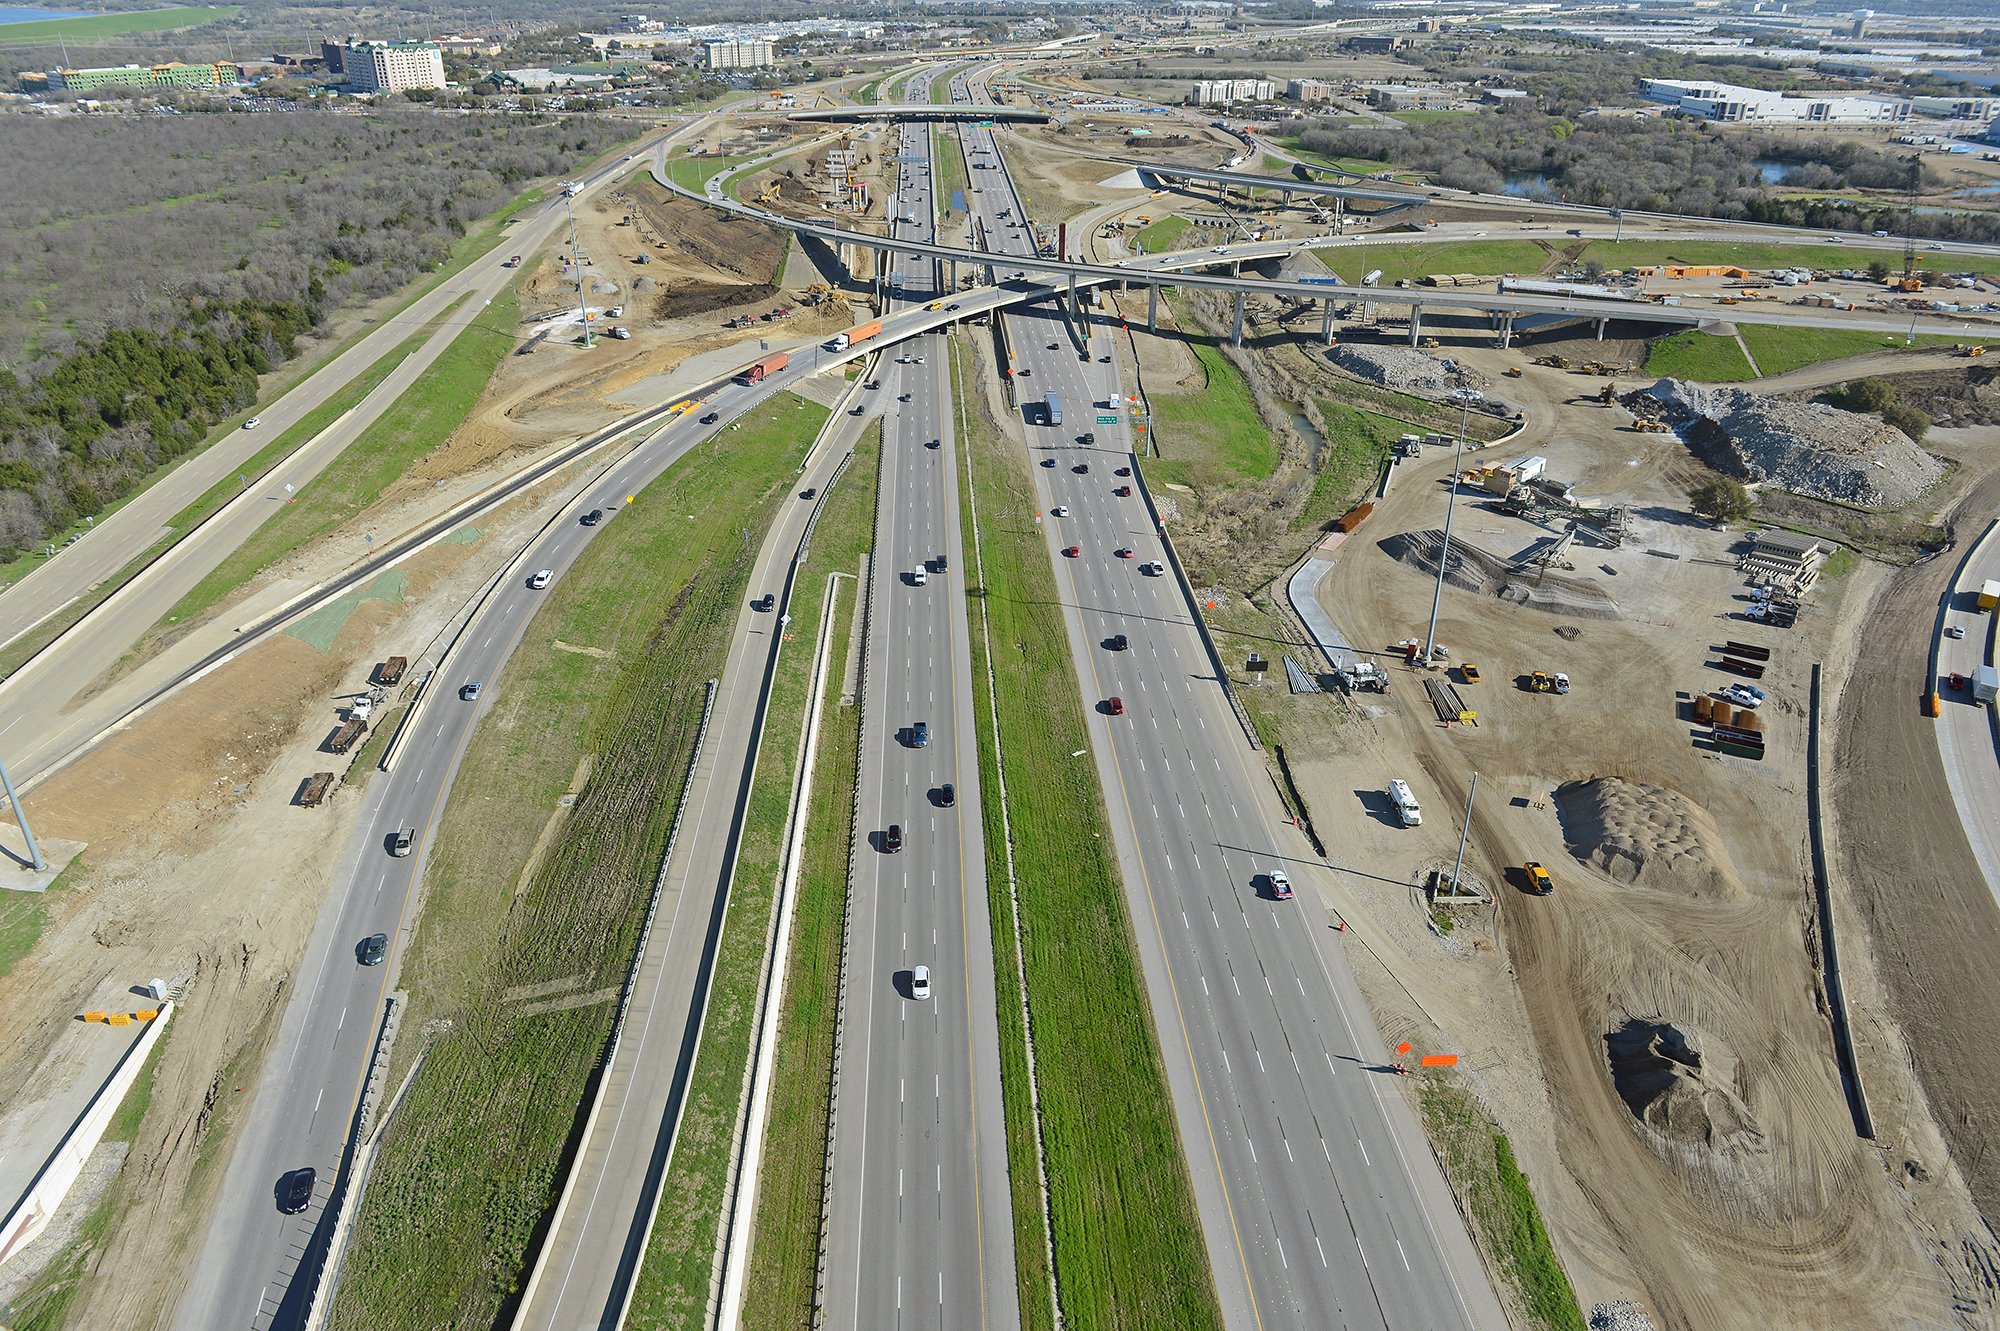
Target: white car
[[1740, 697], [1955, 631], [920, 983], [542, 578], [253, 422], [919, 578], [1059, 511], [1220, 249]]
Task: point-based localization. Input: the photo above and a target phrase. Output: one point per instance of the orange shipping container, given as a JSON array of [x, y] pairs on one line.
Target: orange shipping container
[[1352, 518], [862, 332]]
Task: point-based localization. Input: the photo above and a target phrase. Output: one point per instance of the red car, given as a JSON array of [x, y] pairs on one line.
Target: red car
[[1117, 706], [1073, 551], [1122, 491], [1125, 552], [1957, 680]]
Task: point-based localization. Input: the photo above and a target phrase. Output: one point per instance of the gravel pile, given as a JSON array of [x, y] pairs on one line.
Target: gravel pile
[[1805, 447], [1623, 1315], [1404, 367]]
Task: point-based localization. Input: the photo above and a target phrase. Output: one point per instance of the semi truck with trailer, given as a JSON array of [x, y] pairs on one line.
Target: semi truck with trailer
[[1986, 683], [857, 334], [760, 370]]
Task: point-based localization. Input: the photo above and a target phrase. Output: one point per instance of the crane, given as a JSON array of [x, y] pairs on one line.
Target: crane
[[1911, 279]]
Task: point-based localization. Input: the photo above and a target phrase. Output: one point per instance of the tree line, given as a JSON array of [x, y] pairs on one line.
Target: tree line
[[151, 268]]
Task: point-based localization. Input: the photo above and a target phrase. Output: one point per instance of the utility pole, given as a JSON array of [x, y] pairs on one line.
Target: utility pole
[[1465, 397], [1464, 830], [21, 817], [576, 259]]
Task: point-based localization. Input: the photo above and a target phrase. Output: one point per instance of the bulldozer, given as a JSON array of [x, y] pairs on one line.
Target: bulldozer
[[1970, 350], [1553, 362], [1430, 344]]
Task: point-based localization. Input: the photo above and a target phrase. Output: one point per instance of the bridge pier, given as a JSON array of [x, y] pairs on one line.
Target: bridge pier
[[1153, 308], [1416, 323], [1600, 328], [1236, 334], [1506, 331], [1326, 322], [954, 274]]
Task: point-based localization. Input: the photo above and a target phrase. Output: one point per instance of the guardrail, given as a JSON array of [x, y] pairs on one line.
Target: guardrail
[[1836, 994]]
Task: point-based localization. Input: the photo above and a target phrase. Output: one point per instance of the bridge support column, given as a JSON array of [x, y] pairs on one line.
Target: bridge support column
[[1339, 211], [1284, 198], [954, 274], [1326, 321], [1506, 331], [1600, 328], [1416, 323], [1236, 335], [1153, 308]]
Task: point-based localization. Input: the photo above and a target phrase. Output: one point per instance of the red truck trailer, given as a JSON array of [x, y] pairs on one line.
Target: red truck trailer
[[770, 365]]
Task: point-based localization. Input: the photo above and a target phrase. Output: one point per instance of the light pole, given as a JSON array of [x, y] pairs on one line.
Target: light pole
[[1465, 397]]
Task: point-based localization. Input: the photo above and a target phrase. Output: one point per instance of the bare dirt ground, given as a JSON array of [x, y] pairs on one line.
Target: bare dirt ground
[[1653, 1035], [200, 870]]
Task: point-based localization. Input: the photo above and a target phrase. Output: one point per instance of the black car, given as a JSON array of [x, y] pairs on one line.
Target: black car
[[766, 603], [592, 518], [809, 492], [1081, 468], [892, 840], [1048, 462], [1120, 642], [373, 948], [295, 1190], [947, 795], [1124, 471], [711, 418], [1088, 437]]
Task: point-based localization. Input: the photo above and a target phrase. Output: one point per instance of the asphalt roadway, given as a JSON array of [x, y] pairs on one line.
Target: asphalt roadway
[[304, 1104], [1965, 732], [921, 1232], [1319, 1198]]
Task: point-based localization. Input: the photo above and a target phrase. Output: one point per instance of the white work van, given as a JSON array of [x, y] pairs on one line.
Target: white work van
[[1405, 803]]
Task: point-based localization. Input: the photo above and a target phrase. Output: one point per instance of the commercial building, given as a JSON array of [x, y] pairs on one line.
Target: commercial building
[[1221, 92], [1982, 109], [741, 53], [393, 66], [1308, 90], [1386, 45], [146, 76], [1403, 97], [636, 23], [1725, 103]]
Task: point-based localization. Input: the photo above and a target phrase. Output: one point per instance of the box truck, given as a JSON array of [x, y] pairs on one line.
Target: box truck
[[1405, 804]]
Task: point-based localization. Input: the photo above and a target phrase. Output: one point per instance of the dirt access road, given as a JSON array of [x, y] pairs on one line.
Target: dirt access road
[[1652, 1035]]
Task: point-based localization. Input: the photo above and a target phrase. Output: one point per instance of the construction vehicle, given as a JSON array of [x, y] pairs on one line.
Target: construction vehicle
[[1970, 351], [342, 739], [1430, 344], [1513, 372], [1989, 594], [1548, 682], [391, 671], [314, 791], [622, 334], [1539, 881], [1553, 362], [1910, 280], [1408, 811]]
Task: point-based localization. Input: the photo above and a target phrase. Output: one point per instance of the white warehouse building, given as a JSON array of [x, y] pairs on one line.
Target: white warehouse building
[[1220, 92], [1726, 103]]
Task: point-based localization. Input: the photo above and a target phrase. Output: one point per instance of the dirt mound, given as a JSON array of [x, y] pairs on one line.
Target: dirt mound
[[1405, 368], [1805, 447], [688, 298], [1682, 1096], [1475, 570], [1647, 836], [705, 238]]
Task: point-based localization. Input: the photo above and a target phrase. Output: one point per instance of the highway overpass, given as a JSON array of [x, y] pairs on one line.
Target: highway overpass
[[921, 111]]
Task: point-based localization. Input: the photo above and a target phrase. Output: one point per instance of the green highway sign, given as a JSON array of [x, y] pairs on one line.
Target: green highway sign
[[1107, 420]]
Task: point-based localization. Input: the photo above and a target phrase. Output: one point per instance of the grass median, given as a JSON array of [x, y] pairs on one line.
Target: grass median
[[419, 421], [1128, 1246], [778, 1292], [1479, 1161], [536, 886]]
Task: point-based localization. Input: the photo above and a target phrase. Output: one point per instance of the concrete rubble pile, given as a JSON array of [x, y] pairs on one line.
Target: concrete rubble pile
[[1805, 447], [1404, 368], [1623, 1315]]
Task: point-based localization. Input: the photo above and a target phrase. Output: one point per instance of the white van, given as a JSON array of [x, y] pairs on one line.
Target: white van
[[1406, 805]]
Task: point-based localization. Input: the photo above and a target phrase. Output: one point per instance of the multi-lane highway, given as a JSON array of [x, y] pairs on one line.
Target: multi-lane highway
[[920, 1232], [1321, 1204], [304, 1105]]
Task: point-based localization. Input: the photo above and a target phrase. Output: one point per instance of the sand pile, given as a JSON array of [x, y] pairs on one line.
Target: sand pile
[[1647, 836], [1806, 447], [1480, 571], [1683, 1094]]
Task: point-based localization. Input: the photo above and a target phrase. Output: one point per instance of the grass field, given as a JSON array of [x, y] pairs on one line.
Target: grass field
[[778, 1290], [1495, 1194], [1703, 357], [602, 700], [418, 422], [1162, 235], [1780, 349], [1128, 1248], [1359, 165], [1213, 436], [1520, 258], [950, 173], [1358, 442], [97, 27], [692, 173]]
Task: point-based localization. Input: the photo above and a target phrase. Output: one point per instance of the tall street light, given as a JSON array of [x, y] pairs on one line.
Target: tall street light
[[1467, 398]]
